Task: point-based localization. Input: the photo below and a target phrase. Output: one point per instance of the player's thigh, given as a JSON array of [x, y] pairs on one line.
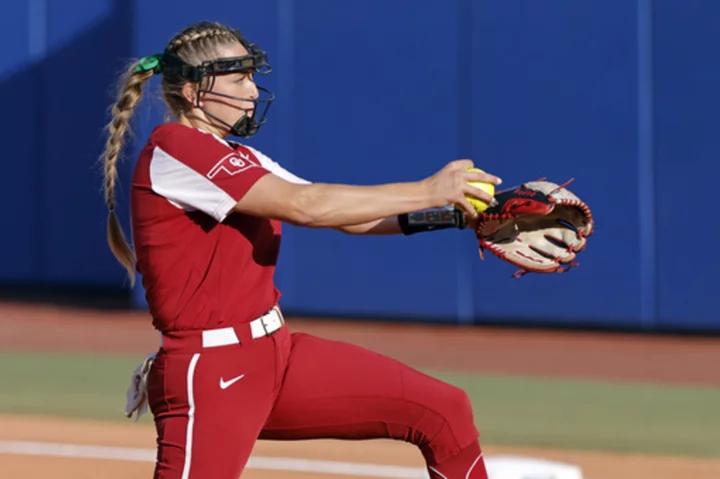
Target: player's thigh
[[335, 389], [209, 408]]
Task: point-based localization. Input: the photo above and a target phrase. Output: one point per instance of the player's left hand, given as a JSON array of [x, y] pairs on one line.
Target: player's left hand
[[471, 222], [539, 227]]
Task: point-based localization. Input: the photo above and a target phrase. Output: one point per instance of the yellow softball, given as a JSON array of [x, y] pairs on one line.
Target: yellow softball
[[488, 188]]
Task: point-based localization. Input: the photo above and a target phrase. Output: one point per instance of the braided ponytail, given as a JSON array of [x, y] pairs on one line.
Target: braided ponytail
[[129, 96], [193, 45]]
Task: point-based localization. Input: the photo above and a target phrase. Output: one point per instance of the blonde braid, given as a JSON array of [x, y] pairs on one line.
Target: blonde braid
[[193, 45], [184, 39], [128, 98]]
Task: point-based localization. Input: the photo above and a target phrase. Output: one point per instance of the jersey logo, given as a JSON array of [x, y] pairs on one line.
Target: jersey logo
[[232, 164]]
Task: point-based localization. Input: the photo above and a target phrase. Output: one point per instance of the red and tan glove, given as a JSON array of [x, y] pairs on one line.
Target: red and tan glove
[[539, 227]]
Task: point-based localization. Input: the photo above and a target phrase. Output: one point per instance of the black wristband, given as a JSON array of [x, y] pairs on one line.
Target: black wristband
[[431, 220]]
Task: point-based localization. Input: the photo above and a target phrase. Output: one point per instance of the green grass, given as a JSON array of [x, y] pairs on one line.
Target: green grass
[[65, 385], [595, 415], [511, 411]]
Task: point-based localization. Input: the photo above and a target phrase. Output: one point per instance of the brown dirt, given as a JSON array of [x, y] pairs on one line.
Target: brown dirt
[[608, 356], [595, 465], [612, 356]]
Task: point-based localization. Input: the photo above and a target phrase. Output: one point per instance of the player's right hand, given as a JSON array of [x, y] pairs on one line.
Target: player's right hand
[[450, 185]]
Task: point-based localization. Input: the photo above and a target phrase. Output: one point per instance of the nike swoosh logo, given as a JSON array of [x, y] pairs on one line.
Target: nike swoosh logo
[[226, 384]]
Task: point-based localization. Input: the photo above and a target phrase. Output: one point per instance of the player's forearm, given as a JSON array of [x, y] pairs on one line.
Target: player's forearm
[[341, 205], [383, 227]]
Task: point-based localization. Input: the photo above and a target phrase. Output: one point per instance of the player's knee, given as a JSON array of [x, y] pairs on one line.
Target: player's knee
[[457, 409], [458, 428]]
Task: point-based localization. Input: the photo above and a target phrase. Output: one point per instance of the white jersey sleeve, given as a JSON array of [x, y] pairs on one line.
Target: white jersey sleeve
[[194, 170], [275, 168]]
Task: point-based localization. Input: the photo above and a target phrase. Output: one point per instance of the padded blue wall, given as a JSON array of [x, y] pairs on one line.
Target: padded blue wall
[[54, 82], [19, 188], [621, 95], [687, 160]]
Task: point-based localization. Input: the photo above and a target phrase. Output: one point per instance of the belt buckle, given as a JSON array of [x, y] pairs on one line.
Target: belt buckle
[[272, 319]]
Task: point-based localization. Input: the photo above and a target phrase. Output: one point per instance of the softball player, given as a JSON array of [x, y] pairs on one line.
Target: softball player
[[206, 223]]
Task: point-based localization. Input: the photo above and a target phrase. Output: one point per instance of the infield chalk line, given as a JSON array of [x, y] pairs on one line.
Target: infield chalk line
[[262, 463]]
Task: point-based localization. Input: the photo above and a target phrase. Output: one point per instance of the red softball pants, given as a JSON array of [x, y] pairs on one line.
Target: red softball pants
[[211, 404]]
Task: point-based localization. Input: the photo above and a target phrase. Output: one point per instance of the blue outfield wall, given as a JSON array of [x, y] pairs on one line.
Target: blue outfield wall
[[621, 95]]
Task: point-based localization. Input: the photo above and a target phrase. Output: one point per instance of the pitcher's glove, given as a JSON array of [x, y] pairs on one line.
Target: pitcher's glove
[[539, 227]]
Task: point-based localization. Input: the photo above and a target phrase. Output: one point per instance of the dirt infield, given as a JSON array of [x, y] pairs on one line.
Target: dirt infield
[[595, 465], [569, 354], [613, 356]]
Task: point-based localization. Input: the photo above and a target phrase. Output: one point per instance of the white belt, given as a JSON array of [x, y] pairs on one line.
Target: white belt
[[262, 326]]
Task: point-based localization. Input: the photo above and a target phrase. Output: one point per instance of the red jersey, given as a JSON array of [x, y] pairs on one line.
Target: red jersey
[[203, 265]]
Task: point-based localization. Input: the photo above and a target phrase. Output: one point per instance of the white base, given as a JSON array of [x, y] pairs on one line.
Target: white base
[[514, 467]]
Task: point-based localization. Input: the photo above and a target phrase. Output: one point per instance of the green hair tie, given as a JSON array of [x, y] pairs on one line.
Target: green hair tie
[[153, 62]]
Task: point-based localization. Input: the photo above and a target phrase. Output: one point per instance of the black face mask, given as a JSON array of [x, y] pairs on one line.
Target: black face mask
[[254, 62]]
